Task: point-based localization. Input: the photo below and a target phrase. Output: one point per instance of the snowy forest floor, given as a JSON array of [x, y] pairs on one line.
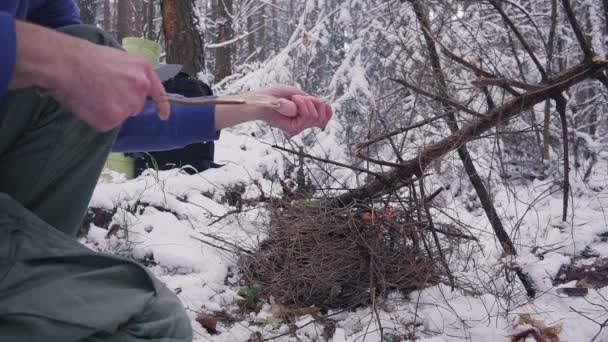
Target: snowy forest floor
[[175, 224]]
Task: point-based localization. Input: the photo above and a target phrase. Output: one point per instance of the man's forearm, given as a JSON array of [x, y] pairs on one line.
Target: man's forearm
[[41, 56], [94, 80], [231, 115]]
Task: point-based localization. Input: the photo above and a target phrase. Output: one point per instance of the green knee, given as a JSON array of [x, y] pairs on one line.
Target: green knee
[[91, 33]]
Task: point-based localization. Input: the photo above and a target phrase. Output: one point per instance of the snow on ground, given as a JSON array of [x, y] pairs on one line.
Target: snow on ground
[[182, 211]]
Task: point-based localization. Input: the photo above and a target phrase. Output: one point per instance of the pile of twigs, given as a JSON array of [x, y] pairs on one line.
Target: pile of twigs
[[341, 257]]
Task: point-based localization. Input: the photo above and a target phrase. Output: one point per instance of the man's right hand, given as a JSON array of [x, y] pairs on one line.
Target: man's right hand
[[100, 85]]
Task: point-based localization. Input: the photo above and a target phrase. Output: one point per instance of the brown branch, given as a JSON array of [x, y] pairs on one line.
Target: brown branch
[[580, 36], [465, 157], [503, 82], [460, 60], [527, 15], [432, 196], [433, 152], [476, 70], [242, 250], [360, 147], [439, 98], [324, 160], [361, 156], [403, 130], [520, 37], [431, 226], [456, 235]]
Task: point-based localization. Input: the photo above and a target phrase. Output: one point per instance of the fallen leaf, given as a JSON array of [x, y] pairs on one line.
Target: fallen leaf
[[208, 322], [540, 331]]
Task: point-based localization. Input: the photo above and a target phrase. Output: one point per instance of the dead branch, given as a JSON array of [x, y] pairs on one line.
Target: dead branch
[[324, 160], [465, 157], [550, 53], [580, 36], [458, 59], [502, 82], [435, 97], [433, 152], [520, 37], [431, 226], [217, 246], [403, 130]]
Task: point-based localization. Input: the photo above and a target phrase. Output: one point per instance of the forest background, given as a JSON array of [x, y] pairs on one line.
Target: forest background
[[467, 156]]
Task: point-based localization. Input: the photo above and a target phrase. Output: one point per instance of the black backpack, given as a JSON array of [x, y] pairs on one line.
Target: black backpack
[[199, 155]]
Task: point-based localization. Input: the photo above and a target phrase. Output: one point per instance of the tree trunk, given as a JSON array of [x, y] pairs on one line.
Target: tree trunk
[[139, 17], [251, 43], [124, 19], [150, 29], [106, 23], [550, 48], [262, 34], [183, 40], [88, 11], [275, 26], [484, 196], [223, 63]]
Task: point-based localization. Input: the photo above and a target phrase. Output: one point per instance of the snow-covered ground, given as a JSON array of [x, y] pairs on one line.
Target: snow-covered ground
[[183, 220]]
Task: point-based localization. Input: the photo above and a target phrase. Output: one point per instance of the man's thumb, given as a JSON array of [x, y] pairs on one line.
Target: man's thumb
[[287, 108]]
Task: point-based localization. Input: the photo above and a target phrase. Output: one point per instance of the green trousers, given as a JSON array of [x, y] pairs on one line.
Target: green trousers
[[51, 287]]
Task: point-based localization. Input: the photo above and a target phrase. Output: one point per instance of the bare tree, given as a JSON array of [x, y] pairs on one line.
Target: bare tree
[[124, 19], [107, 21], [223, 53], [523, 98], [150, 14], [183, 40], [88, 11]]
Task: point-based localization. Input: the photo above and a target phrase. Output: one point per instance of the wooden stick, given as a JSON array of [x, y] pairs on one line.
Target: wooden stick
[[274, 104]]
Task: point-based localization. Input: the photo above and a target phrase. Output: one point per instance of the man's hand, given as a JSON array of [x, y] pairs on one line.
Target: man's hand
[[105, 86], [298, 110], [100, 85]]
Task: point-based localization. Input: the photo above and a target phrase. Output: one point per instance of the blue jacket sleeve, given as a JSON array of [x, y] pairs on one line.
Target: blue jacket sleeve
[[56, 13], [186, 125], [8, 51]]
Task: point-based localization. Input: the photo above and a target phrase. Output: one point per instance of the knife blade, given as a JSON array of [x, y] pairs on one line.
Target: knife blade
[[166, 72]]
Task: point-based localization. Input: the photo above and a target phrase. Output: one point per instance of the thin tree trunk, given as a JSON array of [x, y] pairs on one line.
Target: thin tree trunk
[[605, 5], [463, 153], [124, 17], [550, 44], [262, 46], [560, 105], [106, 23], [184, 42], [223, 54], [150, 29], [139, 17], [251, 43], [275, 26], [88, 11]]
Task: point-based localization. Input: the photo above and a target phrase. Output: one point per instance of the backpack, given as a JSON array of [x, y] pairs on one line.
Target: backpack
[[198, 155]]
